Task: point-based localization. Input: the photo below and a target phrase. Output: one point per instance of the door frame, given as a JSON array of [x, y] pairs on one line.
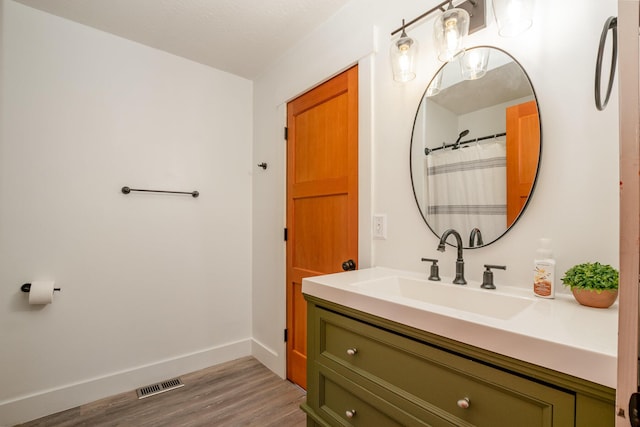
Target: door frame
[[331, 185], [629, 115], [365, 173]]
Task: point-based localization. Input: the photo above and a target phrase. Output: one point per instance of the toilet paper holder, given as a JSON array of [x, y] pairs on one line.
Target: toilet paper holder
[[27, 288]]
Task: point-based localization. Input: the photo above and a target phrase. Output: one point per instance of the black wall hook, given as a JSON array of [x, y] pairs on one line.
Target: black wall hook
[[262, 165]]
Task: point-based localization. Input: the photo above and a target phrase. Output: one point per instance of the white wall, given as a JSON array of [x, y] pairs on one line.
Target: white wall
[[152, 285], [487, 121], [576, 198]]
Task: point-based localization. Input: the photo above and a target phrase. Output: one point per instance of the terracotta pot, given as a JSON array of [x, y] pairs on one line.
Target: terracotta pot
[[592, 298]]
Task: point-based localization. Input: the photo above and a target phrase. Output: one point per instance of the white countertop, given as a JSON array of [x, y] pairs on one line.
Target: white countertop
[[558, 334]]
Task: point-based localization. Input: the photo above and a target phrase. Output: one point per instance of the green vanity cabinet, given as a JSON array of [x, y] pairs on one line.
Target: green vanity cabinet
[[366, 371]]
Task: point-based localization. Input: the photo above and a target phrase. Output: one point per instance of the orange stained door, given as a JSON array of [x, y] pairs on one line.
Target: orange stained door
[[523, 150], [322, 198]]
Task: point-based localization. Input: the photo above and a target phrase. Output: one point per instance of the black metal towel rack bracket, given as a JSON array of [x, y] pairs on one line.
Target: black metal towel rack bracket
[[27, 288], [127, 190]]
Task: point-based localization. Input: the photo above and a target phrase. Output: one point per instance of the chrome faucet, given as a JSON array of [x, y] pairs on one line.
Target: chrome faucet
[[459, 280], [475, 233]]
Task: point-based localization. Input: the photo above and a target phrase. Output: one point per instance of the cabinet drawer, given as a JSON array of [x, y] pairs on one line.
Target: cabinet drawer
[[434, 377], [343, 402]]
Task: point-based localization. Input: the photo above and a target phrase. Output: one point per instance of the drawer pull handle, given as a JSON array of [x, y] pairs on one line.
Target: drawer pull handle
[[352, 351], [350, 413], [464, 403]]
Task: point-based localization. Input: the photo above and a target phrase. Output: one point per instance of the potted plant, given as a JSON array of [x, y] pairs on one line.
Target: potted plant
[[592, 284]]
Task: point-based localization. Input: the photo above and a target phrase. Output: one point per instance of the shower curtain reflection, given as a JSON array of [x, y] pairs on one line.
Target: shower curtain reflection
[[465, 188]]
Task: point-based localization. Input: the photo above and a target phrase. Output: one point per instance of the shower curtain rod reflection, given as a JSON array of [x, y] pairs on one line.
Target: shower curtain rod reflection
[[127, 190], [457, 145]]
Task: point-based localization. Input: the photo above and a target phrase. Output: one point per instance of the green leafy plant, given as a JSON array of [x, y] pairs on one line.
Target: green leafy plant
[[594, 276]]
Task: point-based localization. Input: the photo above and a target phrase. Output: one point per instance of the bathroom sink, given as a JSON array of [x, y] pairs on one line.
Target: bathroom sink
[[462, 298], [508, 320]]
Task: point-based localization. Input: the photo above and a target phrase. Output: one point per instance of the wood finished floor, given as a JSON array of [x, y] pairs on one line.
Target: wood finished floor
[[238, 393]]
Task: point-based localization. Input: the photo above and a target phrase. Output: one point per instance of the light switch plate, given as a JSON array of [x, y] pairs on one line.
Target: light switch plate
[[380, 226]]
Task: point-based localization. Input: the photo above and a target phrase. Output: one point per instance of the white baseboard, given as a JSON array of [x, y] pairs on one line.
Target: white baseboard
[[273, 360], [36, 405]]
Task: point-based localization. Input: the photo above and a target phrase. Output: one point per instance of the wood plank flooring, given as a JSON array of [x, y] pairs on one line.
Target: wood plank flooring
[[238, 393]]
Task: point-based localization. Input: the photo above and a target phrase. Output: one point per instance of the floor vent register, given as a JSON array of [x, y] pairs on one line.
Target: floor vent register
[[152, 390]]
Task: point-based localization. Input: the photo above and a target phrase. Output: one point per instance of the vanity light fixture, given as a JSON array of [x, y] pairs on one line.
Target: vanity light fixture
[[513, 16], [403, 57], [473, 64], [449, 30]]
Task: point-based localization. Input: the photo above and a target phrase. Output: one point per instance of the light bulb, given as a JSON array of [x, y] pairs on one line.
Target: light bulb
[[451, 35]]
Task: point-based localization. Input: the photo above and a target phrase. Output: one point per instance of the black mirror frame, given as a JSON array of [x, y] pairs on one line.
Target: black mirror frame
[[535, 180]]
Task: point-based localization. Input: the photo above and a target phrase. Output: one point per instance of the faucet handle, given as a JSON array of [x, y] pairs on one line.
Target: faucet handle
[[435, 274], [487, 276]]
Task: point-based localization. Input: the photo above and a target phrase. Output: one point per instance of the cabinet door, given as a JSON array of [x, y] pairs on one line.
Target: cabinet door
[[435, 378], [344, 402]]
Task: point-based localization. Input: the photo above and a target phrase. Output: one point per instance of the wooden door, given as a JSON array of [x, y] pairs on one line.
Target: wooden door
[[322, 197], [523, 150]]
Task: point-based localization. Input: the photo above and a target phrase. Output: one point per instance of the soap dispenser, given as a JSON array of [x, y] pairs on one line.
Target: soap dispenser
[[544, 271]]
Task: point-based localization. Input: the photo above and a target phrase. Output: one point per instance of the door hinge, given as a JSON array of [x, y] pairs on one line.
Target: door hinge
[[286, 335], [286, 133], [286, 234]]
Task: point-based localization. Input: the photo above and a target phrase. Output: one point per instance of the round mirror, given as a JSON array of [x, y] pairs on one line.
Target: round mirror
[[475, 146]]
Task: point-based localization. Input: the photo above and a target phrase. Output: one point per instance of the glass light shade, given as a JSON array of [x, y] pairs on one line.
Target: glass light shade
[[513, 16], [435, 86], [450, 29], [473, 64], [403, 58]]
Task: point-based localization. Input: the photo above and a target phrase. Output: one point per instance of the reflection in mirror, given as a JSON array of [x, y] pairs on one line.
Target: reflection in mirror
[[475, 146]]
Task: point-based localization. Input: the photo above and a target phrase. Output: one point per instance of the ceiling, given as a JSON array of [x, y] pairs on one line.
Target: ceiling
[[502, 84], [242, 37]]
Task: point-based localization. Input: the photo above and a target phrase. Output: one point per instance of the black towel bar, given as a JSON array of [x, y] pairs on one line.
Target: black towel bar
[[127, 190]]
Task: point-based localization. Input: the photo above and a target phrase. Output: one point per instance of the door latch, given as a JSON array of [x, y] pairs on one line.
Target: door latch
[[634, 416]]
